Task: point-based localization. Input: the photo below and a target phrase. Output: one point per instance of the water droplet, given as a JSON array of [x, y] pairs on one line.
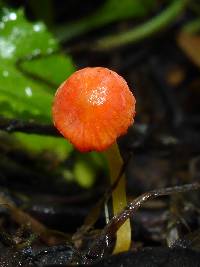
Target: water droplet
[[17, 33], [12, 16], [28, 91], [36, 52], [5, 73], [38, 27], [6, 48], [9, 16], [98, 96]]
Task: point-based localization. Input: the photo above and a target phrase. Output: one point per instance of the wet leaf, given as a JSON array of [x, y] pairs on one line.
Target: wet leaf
[[87, 165], [25, 91], [84, 174], [21, 95], [109, 12], [116, 10], [37, 143]]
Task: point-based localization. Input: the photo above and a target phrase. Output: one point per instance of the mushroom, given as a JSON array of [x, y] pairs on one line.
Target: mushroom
[[91, 109]]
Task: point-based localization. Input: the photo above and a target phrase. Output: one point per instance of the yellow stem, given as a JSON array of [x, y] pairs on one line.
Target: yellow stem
[[123, 237]]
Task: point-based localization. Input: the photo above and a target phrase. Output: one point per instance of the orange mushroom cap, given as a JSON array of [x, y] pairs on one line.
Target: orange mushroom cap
[[92, 108]]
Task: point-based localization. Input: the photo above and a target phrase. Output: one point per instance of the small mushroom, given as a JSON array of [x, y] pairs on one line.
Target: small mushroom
[[91, 109]]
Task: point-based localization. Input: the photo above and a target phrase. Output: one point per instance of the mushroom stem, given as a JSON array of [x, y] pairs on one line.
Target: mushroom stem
[[123, 237]]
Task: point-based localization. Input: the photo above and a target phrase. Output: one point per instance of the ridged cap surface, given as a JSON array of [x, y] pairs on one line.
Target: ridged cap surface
[[92, 108]]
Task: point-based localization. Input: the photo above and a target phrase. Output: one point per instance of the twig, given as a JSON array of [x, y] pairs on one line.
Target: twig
[[13, 125], [108, 233], [47, 235]]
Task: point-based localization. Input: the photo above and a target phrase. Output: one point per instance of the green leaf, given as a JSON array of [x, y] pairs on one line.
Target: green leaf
[[21, 94], [110, 11], [25, 91], [115, 10], [87, 166], [36, 143], [84, 174]]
